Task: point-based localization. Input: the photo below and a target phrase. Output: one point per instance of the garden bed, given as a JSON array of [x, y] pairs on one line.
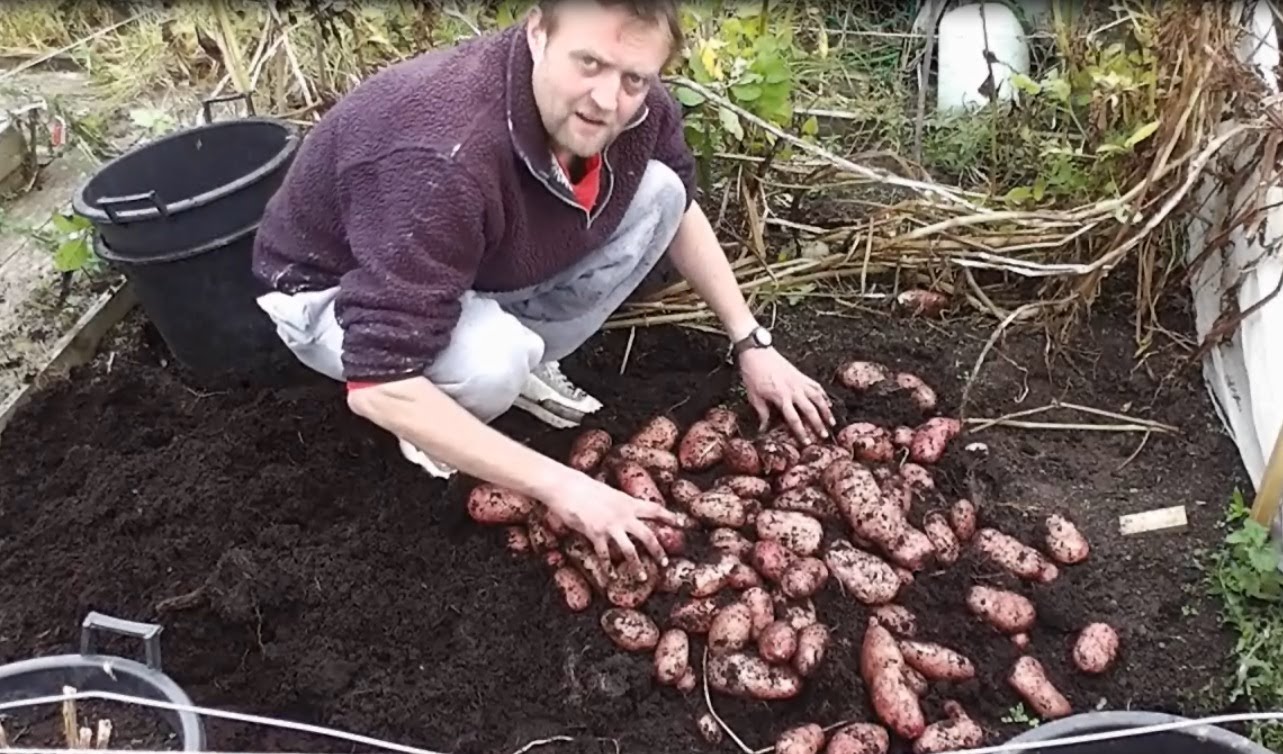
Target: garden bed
[[350, 589]]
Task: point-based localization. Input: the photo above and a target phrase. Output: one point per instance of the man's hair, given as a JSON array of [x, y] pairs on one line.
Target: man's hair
[[664, 12]]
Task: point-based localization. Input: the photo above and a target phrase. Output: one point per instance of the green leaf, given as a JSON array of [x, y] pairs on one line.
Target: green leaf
[[811, 127], [689, 97], [731, 122], [64, 224], [1142, 133], [1018, 195], [71, 255], [1025, 84], [746, 93]]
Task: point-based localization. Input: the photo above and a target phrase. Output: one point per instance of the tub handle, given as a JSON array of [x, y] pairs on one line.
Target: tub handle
[[247, 96], [148, 632], [108, 204]]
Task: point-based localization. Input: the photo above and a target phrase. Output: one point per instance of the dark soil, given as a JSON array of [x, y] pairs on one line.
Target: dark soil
[[342, 586]]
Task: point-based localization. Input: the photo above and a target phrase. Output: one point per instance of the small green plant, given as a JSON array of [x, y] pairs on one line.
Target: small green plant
[[1018, 715], [70, 242]]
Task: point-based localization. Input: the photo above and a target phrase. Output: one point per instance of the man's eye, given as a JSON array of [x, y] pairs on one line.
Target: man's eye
[[590, 63]]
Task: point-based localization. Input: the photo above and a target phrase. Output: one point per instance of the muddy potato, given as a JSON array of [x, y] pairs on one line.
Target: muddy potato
[[920, 302], [682, 492], [491, 504], [895, 704], [932, 437], [811, 500], [822, 456], [694, 615], [1020, 641], [588, 448], [710, 578], [631, 590], [800, 475], [937, 662], [865, 577], [581, 553], [730, 542], [731, 629], [1065, 543], [740, 457], [895, 489], [1095, 648], [720, 508], [743, 577], [1029, 679], [867, 442], [804, 577], [777, 643], [850, 485], [724, 420], [573, 587], [802, 739], [516, 540], [630, 630], [701, 448], [915, 680], [918, 478], [772, 559], [776, 456], [687, 682], [1007, 612], [812, 644], [635, 480], [709, 730], [658, 432], [744, 486], [897, 619], [963, 519], [905, 575], [957, 732], [747, 676], [654, 460], [862, 375], [672, 656], [1009, 553], [554, 559], [676, 576], [922, 395], [797, 531], [672, 539], [798, 613], [542, 538], [859, 738], [761, 608], [943, 540]]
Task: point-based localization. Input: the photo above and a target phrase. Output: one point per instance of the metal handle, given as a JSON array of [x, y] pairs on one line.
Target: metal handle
[[148, 632], [109, 204], [247, 96]]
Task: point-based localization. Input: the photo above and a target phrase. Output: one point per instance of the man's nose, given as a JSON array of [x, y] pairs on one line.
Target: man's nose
[[605, 95]]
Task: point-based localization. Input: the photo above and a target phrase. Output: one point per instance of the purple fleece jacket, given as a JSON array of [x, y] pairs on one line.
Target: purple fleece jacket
[[434, 177]]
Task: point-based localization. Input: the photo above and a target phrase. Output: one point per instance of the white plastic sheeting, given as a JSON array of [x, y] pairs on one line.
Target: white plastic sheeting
[[967, 79]]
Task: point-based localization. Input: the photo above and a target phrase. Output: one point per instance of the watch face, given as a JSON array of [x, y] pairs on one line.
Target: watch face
[[763, 337]]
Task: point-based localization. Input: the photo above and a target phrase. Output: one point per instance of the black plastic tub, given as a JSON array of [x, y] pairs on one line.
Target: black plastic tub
[[1191, 739], [190, 188], [89, 671]]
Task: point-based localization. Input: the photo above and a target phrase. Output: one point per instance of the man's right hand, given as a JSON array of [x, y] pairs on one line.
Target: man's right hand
[[608, 516]]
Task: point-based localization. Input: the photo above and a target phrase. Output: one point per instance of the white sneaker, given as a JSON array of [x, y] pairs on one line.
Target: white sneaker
[[552, 398], [416, 456]]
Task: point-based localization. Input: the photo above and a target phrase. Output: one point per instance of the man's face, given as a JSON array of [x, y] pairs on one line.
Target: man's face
[[592, 74]]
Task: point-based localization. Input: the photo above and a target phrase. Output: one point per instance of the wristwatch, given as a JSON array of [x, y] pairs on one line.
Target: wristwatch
[[759, 337]]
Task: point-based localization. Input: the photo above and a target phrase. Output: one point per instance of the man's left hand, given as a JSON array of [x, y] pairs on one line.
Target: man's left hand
[[772, 380]]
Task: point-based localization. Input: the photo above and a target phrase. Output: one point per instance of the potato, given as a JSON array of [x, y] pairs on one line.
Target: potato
[[635, 480], [920, 302], [777, 642], [800, 475], [932, 437], [861, 376], [812, 644], [937, 662], [701, 448], [796, 531], [687, 682], [724, 420], [1008, 612], [710, 578], [902, 437], [630, 630], [491, 504], [516, 540], [798, 613], [802, 739], [809, 500], [851, 486], [709, 730], [923, 397], [582, 554], [654, 460], [771, 559], [905, 575], [917, 477], [943, 540], [659, 432], [962, 517], [589, 448], [728, 541], [761, 608], [694, 616], [867, 442], [1095, 648], [746, 676], [672, 539], [676, 576], [541, 536], [740, 456], [859, 738], [1065, 543], [744, 486], [865, 577], [897, 619], [1012, 555], [1030, 681], [911, 550], [720, 508], [917, 682], [573, 587], [631, 590], [804, 577], [1020, 641], [743, 577], [895, 489], [776, 456], [554, 559], [892, 699], [956, 733], [822, 456], [731, 629], [684, 521], [672, 656], [682, 492]]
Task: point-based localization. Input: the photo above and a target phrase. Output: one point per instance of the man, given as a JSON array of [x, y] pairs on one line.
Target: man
[[463, 220]]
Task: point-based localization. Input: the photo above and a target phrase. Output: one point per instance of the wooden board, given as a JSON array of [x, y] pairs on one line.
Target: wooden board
[[1154, 521]]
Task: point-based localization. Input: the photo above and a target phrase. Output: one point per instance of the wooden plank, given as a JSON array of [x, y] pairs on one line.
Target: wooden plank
[[77, 347], [1153, 521], [1266, 505]]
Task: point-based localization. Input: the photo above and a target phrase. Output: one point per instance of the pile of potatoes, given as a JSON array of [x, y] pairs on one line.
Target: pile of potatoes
[[751, 552]]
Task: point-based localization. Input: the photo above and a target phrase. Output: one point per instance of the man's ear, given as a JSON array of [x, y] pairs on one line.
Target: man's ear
[[536, 34]]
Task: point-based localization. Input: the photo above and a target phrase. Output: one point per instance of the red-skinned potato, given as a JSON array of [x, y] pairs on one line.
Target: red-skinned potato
[[797, 531], [672, 539], [1030, 681], [654, 460], [701, 448], [581, 553], [687, 682], [911, 550], [710, 578], [635, 480], [804, 577], [746, 676], [810, 500], [1065, 543], [958, 732], [1095, 648], [896, 490], [915, 680], [730, 542], [920, 302], [861, 376], [542, 538], [822, 456], [812, 644], [859, 738], [588, 448], [630, 630], [629, 590], [797, 613], [937, 662], [682, 492], [744, 486], [932, 437], [1020, 641], [943, 540], [906, 576], [1014, 556], [902, 437], [917, 477], [761, 608], [777, 643], [494, 505], [866, 577], [672, 656], [659, 432], [867, 442], [554, 559], [772, 559], [897, 619], [694, 616], [922, 395], [574, 589], [709, 730], [676, 576], [777, 456], [516, 540], [963, 519], [801, 475], [724, 420], [892, 699], [720, 508], [740, 457], [1006, 611], [731, 629], [743, 577], [802, 739]]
